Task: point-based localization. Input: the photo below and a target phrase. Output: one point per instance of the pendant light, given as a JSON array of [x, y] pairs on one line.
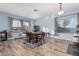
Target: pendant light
[[61, 12]]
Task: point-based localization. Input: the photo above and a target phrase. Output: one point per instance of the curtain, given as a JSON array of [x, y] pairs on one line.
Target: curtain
[[56, 26], [10, 25], [21, 21]]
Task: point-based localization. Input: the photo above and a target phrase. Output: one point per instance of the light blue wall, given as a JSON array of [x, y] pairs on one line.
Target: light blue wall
[[47, 22], [3, 22], [4, 25]]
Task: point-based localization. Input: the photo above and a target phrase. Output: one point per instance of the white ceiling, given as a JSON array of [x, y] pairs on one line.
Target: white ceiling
[[44, 9]]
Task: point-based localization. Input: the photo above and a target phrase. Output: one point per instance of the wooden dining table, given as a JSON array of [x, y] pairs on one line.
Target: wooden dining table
[[35, 37]]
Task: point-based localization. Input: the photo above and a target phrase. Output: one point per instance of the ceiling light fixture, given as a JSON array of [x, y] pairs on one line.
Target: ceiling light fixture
[[35, 10], [61, 12], [35, 14]]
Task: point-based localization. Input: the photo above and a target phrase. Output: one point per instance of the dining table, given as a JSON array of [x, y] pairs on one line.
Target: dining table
[[35, 37]]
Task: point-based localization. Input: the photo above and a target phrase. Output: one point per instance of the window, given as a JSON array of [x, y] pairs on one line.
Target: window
[[16, 23], [66, 24], [26, 24]]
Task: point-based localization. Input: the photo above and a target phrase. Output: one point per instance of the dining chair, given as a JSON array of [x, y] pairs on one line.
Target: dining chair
[[34, 38], [41, 38]]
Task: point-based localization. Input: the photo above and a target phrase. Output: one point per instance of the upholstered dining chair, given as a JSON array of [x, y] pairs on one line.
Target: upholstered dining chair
[[34, 38], [41, 37]]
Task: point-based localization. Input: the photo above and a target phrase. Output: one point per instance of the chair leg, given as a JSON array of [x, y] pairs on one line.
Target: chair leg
[[43, 40], [39, 42], [33, 41]]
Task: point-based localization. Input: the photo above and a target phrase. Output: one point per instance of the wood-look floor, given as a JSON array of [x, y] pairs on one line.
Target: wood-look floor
[[53, 47]]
